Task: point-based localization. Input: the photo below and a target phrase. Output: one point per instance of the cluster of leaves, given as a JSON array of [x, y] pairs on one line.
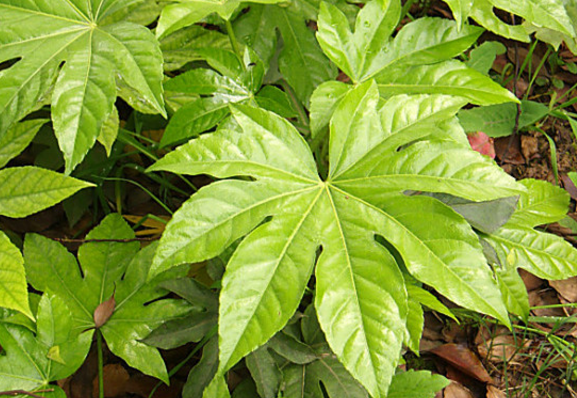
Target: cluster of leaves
[[320, 178]]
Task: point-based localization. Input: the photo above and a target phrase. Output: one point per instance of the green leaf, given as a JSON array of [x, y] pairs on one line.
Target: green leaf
[[256, 29], [95, 54], [358, 54], [512, 287], [543, 203], [292, 349], [109, 131], [192, 327], [545, 255], [287, 219], [277, 101], [428, 40], [187, 12], [448, 77], [25, 363], [264, 372], [460, 9], [27, 190], [324, 102], [203, 372], [415, 324], [182, 46], [499, 120], [13, 287], [108, 267], [422, 384], [482, 12], [549, 14], [302, 381], [17, 138], [482, 58], [427, 299], [301, 61]]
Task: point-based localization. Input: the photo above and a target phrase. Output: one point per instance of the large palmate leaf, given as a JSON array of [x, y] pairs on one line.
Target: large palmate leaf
[[109, 268], [100, 50], [417, 61], [286, 213], [29, 361]]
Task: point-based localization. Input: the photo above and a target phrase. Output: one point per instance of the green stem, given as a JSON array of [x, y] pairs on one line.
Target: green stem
[[234, 43], [100, 364], [301, 112]]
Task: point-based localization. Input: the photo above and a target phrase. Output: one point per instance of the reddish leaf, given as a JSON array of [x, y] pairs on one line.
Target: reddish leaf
[[463, 359], [482, 143]]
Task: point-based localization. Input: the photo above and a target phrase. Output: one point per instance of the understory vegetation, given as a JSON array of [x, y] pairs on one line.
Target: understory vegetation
[[288, 198]]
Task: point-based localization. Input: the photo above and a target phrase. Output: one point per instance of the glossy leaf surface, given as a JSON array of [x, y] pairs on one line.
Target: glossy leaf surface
[[27, 190], [96, 50], [361, 300], [13, 287]]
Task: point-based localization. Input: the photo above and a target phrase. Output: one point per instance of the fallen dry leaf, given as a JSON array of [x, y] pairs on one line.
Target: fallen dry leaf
[[529, 147], [494, 392], [566, 288], [531, 281], [464, 360], [499, 345], [115, 381], [456, 390]]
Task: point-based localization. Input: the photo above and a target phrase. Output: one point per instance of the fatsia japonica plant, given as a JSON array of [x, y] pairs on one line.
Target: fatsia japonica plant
[[392, 207]]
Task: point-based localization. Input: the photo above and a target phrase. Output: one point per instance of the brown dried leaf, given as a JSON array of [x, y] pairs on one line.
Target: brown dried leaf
[[115, 381], [463, 359], [530, 280], [494, 392], [529, 147], [508, 149], [104, 311], [567, 288], [498, 345], [456, 390]]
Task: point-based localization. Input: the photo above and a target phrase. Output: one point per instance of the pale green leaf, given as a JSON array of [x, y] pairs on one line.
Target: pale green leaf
[[427, 299], [428, 40], [482, 57], [282, 253], [543, 203], [41, 36], [448, 77], [13, 287], [415, 324], [512, 286], [187, 12], [545, 255], [17, 138], [217, 388], [542, 13], [109, 131], [482, 12], [27, 190], [324, 101], [460, 9]]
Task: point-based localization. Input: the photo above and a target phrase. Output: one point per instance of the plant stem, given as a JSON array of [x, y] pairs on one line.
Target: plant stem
[[234, 43], [100, 364], [301, 112]]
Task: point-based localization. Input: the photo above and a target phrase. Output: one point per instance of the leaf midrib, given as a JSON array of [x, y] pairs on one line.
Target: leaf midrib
[[279, 258], [433, 255]]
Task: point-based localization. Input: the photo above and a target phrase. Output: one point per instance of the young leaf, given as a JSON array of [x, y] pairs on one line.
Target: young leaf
[[13, 287], [95, 54], [106, 266], [359, 54], [286, 212], [27, 190]]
